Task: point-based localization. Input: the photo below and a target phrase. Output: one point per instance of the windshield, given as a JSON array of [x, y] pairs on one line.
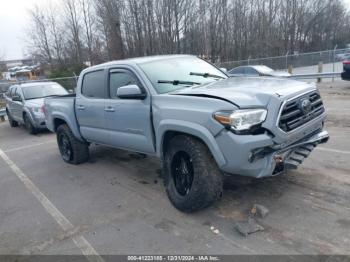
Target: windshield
[[172, 74], [39, 91]]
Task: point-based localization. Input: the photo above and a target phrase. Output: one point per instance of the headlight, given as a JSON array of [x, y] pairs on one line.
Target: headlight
[[37, 110], [241, 119]]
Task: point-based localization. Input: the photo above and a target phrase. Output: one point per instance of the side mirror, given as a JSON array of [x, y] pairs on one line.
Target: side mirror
[[130, 92], [16, 98], [223, 69]]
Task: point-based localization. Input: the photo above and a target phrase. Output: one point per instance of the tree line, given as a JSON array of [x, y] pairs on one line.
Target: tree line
[[71, 33]]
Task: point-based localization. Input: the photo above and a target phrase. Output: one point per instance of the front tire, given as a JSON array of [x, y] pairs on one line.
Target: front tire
[[191, 177], [72, 150], [29, 126], [12, 122]]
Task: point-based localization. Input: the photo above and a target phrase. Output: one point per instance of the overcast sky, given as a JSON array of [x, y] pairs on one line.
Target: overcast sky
[[13, 19]]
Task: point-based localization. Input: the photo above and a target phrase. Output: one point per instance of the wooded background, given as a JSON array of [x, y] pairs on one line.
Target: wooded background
[[67, 35]]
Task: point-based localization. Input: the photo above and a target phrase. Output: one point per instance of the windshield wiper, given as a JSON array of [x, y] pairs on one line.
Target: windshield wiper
[[206, 75], [41, 97], [177, 82], [30, 98], [51, 96]]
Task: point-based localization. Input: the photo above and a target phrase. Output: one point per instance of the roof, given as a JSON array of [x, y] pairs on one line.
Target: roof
[[259, 68], [138, 60], [41, 83]]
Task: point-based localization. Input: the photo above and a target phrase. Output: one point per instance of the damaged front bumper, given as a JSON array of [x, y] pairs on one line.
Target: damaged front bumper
[[259, 156], [290, 157]]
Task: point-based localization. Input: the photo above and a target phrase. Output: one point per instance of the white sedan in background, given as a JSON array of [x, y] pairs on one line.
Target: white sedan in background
[[256, 70]]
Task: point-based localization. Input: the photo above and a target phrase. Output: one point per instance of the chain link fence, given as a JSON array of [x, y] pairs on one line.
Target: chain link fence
[[329, 57], [293, 61]]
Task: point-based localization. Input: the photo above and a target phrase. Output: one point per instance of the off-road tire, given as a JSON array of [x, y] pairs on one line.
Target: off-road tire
[[207, 183], [29, 126], [79, 150], [12, 122]]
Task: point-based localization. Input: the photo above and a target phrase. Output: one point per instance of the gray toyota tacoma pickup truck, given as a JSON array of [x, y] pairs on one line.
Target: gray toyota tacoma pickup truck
[[202, 124]]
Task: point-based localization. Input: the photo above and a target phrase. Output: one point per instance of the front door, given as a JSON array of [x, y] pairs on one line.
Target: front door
[[17, 106], [129, 120], [90, 107]]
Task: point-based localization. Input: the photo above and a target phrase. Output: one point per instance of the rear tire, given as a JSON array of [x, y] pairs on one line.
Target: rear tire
[[12, 122], [72, 150], [29, 126], [191, 177]]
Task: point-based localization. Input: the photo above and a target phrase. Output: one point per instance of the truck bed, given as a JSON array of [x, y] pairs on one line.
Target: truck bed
[[61, 108]]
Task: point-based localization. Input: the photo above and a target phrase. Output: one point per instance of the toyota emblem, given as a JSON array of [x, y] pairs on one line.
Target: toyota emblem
[[305, 106]]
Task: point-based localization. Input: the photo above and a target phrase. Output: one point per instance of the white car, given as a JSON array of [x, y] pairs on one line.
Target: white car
[[256, 70], [343, 57]]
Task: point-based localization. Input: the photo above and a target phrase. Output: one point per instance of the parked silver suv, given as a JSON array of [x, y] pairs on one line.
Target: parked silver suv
[[24, 103]]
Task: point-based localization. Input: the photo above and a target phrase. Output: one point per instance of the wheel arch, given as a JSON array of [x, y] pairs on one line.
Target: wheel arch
[[26, 112], [58, 120], [167, 130]]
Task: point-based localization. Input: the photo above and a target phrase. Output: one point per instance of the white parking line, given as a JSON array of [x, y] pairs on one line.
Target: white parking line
[[29, 146], [62, 221], [332, 150]]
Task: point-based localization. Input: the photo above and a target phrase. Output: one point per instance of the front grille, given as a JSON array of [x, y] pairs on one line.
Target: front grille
[[294, 113]]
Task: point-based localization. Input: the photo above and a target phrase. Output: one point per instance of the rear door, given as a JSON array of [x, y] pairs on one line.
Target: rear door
[[129, 120], [90, 107], [9, 99]]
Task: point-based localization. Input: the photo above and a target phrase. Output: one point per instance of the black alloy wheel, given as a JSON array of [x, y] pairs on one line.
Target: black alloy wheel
[[182, 172], [65, 147]]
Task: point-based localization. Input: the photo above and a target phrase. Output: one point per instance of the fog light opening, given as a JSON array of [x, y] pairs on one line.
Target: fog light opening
[[278, 159]]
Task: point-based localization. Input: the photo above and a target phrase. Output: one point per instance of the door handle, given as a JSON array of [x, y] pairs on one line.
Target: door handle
[[109, 109], [81, 107]]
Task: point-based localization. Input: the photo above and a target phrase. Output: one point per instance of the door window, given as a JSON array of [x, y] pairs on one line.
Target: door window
[[237, 70], [118, 79], [13, 91], [17, 92], [94, 84], [251, 71]]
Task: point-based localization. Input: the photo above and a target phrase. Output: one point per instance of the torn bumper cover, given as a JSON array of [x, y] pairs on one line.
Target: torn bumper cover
[[291, 156]]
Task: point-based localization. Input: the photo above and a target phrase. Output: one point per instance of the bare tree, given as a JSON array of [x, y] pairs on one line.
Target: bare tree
[[56, 35], [74, 27], [40, 36], [86, 7], [100, 30]]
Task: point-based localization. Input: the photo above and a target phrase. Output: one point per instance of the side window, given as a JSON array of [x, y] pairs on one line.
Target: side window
[[251, 71], [94, 84], [8, 93], [119, 78], [238, 70], [13, 91], [17, 92]]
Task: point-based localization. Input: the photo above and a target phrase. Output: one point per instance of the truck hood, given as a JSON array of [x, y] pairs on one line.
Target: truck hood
[[38, 102], [246, 92]]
